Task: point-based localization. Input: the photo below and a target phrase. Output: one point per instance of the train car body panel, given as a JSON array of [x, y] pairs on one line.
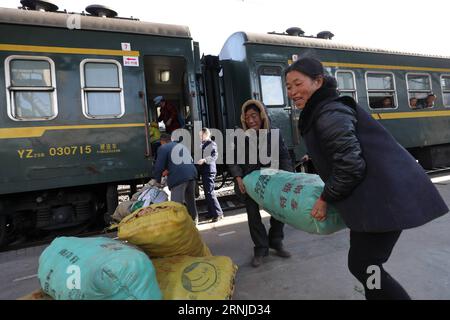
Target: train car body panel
[[412, 128], [102, 74]]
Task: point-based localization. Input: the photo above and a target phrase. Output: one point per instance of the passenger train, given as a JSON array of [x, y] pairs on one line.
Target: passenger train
[[76, 94]]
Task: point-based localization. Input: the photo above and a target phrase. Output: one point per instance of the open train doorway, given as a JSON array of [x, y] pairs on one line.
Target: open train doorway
[[167, 77]]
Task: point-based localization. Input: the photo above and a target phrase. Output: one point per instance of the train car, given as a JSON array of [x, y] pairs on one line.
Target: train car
[[76, 99], [393, 86]]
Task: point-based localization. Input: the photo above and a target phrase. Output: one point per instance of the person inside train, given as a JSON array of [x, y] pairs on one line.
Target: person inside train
[[254, 116], [181, 176], [155, 135], [375, 201], [208, 171], [168, 114], [413, 103], [387, 102], [429, 101]]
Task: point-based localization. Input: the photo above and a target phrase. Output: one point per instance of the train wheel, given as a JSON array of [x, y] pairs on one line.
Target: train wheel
[[221, 183], [2, 231], [112, 201], [6, 234]]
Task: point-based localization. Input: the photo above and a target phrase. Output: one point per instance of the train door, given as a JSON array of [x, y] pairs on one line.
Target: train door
[[167, 77], [211, 91], [273, 95]]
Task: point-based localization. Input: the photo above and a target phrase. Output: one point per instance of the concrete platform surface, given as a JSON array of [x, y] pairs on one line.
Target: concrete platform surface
[[317, 269]]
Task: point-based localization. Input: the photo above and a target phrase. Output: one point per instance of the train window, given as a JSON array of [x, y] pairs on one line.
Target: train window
[[346, 83], [381, 90], [271, 86], [31, 89], [419, 88], [445, 83], [102, 88]]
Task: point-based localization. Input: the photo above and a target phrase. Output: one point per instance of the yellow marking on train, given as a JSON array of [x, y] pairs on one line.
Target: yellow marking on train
[[34, 132], [410, 115], [380, 66], [67, 50]]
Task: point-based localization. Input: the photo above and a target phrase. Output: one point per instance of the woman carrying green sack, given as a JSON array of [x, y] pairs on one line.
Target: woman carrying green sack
[[375, 184]]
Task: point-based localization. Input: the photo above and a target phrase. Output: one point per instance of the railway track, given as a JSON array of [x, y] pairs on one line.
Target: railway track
[[438, 171], [228, 202]]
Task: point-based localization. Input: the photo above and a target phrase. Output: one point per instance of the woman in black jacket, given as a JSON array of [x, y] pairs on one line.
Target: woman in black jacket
[[376, 185]]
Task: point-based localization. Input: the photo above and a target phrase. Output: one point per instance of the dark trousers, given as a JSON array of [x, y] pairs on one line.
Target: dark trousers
[[258, 231], [154, 147], [184, 193], [374, 249], [214, 209]]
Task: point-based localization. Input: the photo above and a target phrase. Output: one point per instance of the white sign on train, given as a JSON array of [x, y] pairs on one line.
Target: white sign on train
[[131, 61], [126, 46]]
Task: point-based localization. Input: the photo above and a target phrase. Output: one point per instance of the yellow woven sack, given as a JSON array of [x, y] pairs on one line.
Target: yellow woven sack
[[36, 295], [163, 230], [195, 278]]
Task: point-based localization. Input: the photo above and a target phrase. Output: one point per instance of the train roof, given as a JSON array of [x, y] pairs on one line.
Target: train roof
[[292, 41], [59, 20]]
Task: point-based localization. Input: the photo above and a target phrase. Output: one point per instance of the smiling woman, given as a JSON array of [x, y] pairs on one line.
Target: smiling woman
[[375, 202]]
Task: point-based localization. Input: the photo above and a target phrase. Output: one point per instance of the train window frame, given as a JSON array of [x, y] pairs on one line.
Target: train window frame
[[85, 90], [283, 94], [10, 103], [409, 91], [443, 91], [372, 90], [354, 82]]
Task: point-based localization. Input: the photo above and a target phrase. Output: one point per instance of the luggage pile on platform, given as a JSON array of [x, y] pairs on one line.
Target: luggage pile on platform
[[159, 255]]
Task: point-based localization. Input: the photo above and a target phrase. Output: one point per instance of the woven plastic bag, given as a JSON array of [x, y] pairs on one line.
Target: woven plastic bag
[[289, 197], [96, 269], [163, 230], [150, 196], [196, 278]]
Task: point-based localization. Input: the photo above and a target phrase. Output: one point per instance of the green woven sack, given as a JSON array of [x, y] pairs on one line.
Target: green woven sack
[[289, 197], [96, 269]]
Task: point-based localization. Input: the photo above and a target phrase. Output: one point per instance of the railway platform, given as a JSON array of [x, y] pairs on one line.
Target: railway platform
[[316, 270]]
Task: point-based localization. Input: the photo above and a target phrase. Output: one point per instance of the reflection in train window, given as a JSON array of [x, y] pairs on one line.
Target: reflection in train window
[[381, 90], [31, 87], [102, 88], [419, 87], [346, 83], [271, 86], [445, 83]]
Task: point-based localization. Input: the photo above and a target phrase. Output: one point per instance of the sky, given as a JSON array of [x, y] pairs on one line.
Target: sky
[[416, 26]]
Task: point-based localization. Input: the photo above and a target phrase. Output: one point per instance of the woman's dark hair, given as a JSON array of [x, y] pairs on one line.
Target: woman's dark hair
[[313, 69], [310, 67], [252, 107]]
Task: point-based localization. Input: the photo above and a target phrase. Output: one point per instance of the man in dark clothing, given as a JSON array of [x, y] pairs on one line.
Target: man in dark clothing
[[169, 114], [181, 178], [207, 169], [254, 116]]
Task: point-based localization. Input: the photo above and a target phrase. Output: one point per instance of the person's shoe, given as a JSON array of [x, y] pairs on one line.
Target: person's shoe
[[257, 261], [218, 218], [282, 253]]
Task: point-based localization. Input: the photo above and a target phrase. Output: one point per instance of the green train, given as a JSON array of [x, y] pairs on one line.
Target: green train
[[252, 67], [74, 110], [78, 92]]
